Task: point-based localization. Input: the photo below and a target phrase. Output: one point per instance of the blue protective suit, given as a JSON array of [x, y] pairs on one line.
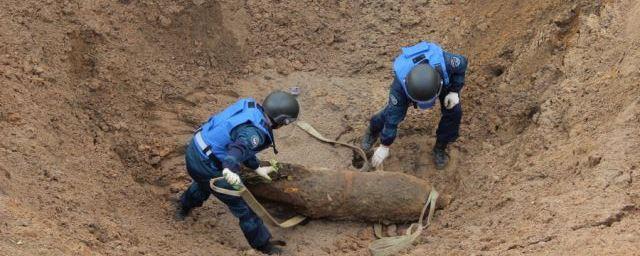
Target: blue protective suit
[[235, 135], [452, 68]]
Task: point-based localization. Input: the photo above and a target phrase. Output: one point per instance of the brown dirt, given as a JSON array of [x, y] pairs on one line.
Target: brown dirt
[[98, 98]]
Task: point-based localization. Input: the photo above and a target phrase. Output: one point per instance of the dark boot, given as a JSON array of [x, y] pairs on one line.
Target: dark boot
[[270, 249], [181, 212], [440, 156], [368, 140]]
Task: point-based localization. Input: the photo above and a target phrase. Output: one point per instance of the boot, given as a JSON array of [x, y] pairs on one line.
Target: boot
[[181, 212], [368, 140], [270, 249], [440, 156]]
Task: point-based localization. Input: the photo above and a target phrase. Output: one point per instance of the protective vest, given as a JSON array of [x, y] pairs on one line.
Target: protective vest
[[430, 53], [216, 132]]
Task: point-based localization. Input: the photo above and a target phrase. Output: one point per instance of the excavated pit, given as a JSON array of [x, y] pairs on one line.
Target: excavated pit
[[98, 99]]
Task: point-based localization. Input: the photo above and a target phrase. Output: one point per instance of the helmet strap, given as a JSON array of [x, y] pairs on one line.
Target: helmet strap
[[273, 142], [270, 127]]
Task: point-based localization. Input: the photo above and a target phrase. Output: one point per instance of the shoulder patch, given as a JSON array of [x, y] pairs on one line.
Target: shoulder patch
[[255, 140], [455, 62], [393, 100]]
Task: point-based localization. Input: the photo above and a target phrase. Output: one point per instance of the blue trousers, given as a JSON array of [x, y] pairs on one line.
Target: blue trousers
[[202, 170], [448, 128]]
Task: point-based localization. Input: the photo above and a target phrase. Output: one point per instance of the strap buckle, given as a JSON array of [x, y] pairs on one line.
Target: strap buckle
[[207, 150]]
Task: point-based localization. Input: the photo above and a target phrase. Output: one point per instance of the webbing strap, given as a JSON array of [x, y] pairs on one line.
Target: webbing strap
[[389, 245], [255, 205], [206, 149], [313, 132]]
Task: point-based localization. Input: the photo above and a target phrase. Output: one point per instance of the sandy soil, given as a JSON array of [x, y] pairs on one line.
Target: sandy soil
[[98, 98]]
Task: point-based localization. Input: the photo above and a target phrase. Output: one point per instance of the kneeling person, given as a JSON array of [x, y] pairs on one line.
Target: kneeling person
[[227, 140]]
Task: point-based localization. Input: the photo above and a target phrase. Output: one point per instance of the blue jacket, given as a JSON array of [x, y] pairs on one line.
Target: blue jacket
[[238, 133], [423, 52], [396, 109]]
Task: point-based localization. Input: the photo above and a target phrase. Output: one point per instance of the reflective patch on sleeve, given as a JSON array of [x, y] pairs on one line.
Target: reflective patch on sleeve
[[455, 62], [255, 141], [393, 99]]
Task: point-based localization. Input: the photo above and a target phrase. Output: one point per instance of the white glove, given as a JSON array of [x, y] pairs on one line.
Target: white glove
[[231, 177], [381, 153], [264, 171], [451, 100]]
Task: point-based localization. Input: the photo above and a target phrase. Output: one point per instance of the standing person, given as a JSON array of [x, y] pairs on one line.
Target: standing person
[[227, 140], [423, 73]]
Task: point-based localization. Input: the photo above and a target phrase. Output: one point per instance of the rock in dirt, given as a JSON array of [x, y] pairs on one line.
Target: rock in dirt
[[164, 21], [594, 160]]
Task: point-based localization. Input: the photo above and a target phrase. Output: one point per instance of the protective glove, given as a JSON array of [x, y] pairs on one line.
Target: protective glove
[[231, 177], [381, 153], [451, 100], [264, 172]]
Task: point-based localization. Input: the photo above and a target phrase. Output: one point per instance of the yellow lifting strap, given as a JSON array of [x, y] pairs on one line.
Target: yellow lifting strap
[[313, 132], [255, 205], [390, 245]]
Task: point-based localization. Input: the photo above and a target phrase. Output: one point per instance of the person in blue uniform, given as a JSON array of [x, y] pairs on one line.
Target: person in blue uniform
[[228, 140], [423, 73]]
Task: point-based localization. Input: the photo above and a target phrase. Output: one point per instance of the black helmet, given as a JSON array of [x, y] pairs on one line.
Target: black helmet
[[423, 83], [281, 107]]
